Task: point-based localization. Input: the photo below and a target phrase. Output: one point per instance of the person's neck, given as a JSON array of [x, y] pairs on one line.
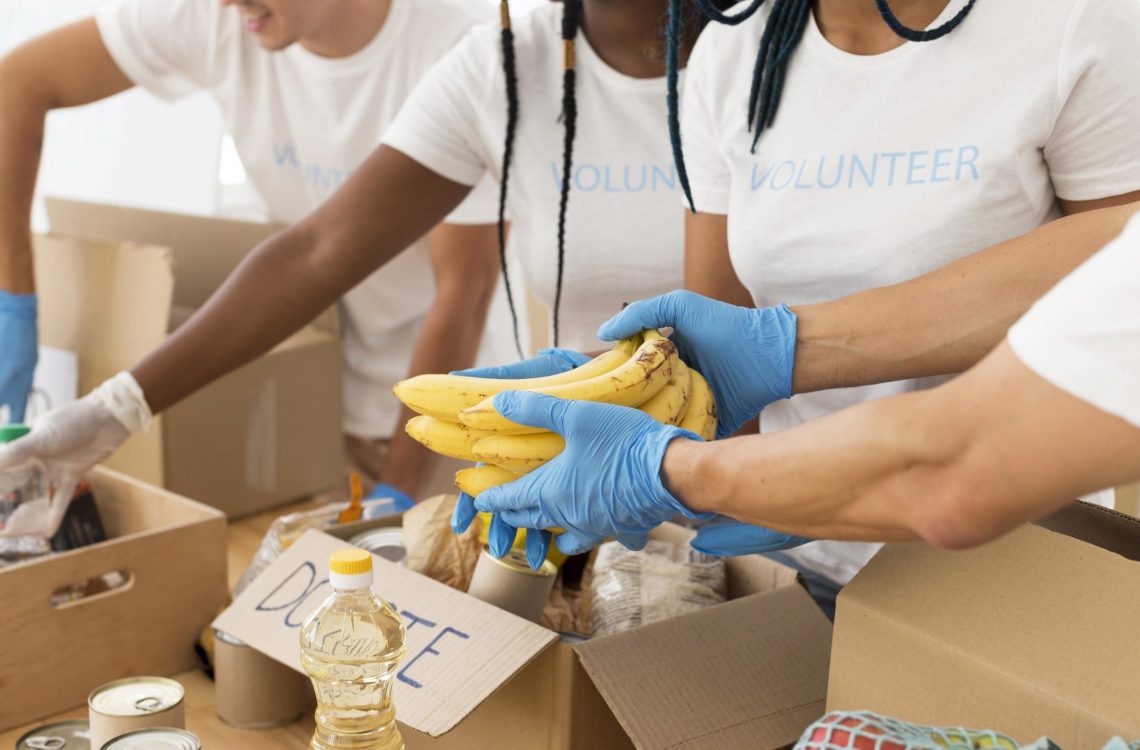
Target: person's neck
[[629, 35], [855, 26], [349, 29]]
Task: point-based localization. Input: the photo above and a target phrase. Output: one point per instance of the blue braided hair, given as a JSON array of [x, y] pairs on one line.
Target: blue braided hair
[[782, 33]]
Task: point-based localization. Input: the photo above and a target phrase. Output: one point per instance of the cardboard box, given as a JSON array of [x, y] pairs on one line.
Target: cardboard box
[[747, 673], [1030, 635], [268, 433], [172, 552]]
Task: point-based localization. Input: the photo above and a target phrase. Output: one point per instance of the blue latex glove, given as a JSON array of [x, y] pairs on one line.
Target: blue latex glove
[[501, 536], [548, 362], [725, 537], [606, 483], [18, 351], [400, 500], [745, 353]]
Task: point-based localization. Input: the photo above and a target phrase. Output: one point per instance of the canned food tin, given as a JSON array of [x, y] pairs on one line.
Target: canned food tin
[[62, 735], [134, 703], [510, 584], [387, 542], [253, 691], [155, 738]]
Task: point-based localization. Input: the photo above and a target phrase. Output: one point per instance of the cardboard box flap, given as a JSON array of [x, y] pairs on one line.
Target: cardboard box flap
[[205, 249], [460, 650], [1108, 529], [748, 673], [1059, 661]]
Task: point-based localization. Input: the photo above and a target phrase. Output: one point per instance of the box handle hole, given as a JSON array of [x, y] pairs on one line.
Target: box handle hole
[[105, 585]]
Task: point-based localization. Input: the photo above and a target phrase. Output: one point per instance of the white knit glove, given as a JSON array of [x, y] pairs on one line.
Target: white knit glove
[[68, 441]]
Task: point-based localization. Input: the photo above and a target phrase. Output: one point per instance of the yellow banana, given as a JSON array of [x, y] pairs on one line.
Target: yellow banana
[[443, 437], [444, 396], [481, 478], [519, 453], [670, 404], [700, 417], [631, 384]]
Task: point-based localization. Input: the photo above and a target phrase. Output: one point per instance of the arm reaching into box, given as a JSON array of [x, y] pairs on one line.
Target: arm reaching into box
[[288, 280], [66, 68]]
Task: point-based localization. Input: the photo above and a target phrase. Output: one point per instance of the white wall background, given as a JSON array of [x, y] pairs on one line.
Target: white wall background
[[133, 148]]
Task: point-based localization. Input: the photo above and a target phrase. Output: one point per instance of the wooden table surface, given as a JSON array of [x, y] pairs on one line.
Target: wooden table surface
[[243, 539]]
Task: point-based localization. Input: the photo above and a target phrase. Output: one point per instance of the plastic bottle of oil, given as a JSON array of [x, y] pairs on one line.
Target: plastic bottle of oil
[[351, 646]]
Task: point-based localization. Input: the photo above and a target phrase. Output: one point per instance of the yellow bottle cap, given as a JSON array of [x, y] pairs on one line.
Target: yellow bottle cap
[[350, 562]]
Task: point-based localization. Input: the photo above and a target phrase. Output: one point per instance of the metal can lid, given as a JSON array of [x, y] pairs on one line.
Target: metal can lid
[[60, 735], [227, 638], [155, 738], [135, 696], [387, 542], [516, 560]]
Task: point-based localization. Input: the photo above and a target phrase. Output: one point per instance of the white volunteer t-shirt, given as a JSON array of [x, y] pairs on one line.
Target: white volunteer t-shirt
[[1084, 335], [625, 229], [301, 124], [881, 168]]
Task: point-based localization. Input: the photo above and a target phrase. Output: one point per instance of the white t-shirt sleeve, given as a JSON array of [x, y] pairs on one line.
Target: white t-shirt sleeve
[[165, 46], [481, 206], [1084, 335], [1094, 150], [709, 175], [439, 123]]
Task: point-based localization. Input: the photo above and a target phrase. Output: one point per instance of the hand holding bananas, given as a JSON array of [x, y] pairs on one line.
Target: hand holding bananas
[[459, 418], [606, 483], [746, 353], [501, 536]]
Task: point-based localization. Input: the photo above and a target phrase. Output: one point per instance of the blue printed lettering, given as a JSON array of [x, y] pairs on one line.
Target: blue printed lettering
[[759, 183], [939, 163], [964, 162], [869, 177], [285, 153], [913, 165], [791, 173], [670, 179], [838, 173], [893, 156], [625, 179], [402, 675], [610, 187], [578, 178], [799, 176], [411, 620], [297, 586]]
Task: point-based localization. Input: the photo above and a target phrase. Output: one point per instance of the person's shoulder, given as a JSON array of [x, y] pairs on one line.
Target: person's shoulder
[[449, 17]]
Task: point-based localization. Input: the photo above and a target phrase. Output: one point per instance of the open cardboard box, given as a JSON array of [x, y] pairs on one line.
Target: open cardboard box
[[172, 553], [747, 673], [1032, 635], [115, 281]]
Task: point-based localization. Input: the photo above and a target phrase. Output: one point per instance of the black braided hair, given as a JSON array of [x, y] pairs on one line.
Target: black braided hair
[[782, 32], [571, 20], [511, 75]]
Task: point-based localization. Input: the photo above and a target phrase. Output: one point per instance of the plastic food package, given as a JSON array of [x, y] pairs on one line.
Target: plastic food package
[[29, 518], [629, 589], [289, 528]]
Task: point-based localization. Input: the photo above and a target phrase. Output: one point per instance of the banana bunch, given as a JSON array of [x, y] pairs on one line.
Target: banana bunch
[[458, 417]]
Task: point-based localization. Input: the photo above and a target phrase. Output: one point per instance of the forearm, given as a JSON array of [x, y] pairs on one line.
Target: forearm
[[291, 278], [22, 113], [947, 320], [449, 340], [839, 477]]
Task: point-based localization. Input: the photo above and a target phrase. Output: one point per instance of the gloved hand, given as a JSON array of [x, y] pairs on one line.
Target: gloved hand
[[548, 362], [401, 501], [501, 536], [71, 439], [725, 537], [745, 353], [18, 351], [606, 483]]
